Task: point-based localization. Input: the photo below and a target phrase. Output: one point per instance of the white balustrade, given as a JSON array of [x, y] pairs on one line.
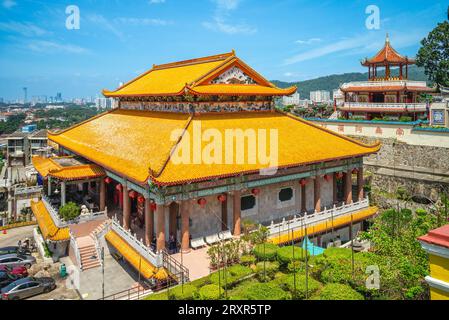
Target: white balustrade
[[382, 83], [310, 219], [399, 106], [76, 251]]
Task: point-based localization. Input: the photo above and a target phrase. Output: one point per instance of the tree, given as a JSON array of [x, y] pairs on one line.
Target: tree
[[69, 211], [434, 54]]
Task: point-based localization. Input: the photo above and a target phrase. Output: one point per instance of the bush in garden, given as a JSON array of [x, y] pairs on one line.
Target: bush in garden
[[70, 211], [265, 251], [266, 270], [336, 253], [264, 291], [198, 283], [287, 254], [210, 292], [300, 292], [336, 291], [189, 292], [247, 259], [233, 275]]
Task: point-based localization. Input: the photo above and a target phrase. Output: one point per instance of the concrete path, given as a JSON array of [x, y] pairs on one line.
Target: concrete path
[[12, 236]]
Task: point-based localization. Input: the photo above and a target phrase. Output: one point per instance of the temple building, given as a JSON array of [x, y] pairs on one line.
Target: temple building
[[388, 93], [148, 166]]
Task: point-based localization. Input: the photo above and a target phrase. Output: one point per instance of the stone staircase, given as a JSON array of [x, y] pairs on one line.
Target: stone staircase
[[88, 253]]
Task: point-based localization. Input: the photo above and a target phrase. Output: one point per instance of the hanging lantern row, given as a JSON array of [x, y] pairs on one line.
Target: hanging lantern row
[[221, 198], [303, 182], [107, 180], [119, 187], [255, 191], [202, 202], [132, 194], [355, 170], [140, 199], [327, 177]]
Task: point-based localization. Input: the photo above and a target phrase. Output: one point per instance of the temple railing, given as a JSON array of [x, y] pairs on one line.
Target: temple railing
[[386, 105], [304, 220], [146, 253], [381, 83], [61, 223], [27, 190], [76, 251]]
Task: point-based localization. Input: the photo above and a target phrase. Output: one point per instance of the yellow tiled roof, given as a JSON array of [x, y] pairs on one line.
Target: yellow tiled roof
[[194, 75], [131, 255], [137, 144], [125, 141], [48, 228], [49, 167], [325, 226]]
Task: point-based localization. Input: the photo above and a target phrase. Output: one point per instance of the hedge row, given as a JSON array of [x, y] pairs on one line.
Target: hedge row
[[18, 225]]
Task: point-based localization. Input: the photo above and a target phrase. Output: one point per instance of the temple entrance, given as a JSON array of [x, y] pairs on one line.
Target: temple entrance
[[378, 98]]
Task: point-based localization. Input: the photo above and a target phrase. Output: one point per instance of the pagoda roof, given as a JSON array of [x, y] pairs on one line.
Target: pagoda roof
[[140, 144], [387, 55], [196, 76], [438, 237]]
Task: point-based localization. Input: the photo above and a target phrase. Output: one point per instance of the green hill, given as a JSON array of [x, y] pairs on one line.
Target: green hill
[[334, 81]]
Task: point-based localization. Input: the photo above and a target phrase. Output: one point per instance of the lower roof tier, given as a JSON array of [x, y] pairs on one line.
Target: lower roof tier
[[145, 145]]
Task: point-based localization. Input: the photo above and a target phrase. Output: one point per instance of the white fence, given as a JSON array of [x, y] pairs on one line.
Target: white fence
[[386, 105], [60, 223], [76, 251], [138, 245], [306, 220], [384, 83]]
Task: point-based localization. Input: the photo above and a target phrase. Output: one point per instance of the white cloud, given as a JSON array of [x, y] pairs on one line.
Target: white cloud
[[54, 47], [143, 21], [8, 4], [221, 21], [24, 28], [308, 41]]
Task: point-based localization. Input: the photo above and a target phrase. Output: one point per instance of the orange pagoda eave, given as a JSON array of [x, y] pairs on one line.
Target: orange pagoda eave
[[196, 77], [387, 55]]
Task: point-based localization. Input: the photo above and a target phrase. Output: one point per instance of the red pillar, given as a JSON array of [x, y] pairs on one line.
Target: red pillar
[[185, 227], [160, 227], [126, 208], [149, 222], [237, 213], [317, 193], [348, 187], [360, 184]]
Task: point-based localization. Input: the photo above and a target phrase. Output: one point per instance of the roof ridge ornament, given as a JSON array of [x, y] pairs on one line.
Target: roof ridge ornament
[[387, 38]]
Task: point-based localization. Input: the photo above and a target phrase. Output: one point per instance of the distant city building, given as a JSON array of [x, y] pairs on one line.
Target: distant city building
[[338, 97], [54, 107], [291, 100], [320, 96], [58, 97], [25, 143]]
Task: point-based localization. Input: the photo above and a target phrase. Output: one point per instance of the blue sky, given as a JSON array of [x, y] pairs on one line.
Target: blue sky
[[118, 39]]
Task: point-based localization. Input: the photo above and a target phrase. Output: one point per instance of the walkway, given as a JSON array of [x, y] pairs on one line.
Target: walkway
[[197, 261]]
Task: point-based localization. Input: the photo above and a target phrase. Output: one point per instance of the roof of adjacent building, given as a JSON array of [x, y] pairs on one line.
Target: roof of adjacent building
[[195, 76], [439, 236], [66, 168], [141, 144], [46, 224], [387, 55]]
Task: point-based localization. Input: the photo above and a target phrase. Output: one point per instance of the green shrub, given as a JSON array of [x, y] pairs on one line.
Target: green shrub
[[247, 259], [264, 291], [266, 251], [179, 293], [405, 119], [336, 291], [70, 211], [287, 254], [337, 253], [233, 275], [266, 270], [210, 292], [300, 292], [157, 296], [200, 282]]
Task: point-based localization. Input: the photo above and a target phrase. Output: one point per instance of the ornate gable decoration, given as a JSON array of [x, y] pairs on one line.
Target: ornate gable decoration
[[234, 75]]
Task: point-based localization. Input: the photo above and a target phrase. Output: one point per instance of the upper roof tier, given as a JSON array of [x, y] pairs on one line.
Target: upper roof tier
[[223, 74], [387, 55], [140, 145]]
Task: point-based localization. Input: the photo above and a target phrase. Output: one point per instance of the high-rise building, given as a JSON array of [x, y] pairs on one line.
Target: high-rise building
[[320, 96], [291, 100]]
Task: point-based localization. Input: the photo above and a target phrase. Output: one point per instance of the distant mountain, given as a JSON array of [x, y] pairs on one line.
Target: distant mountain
[[334, 81]]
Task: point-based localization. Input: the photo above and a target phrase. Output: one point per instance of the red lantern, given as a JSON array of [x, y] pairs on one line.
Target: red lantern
[[132, 194], [153, 206], [140, 199], [327, 177], [119, 187], [303, 182], [221, 198], [355, 170], [107, 180], [339, 175], [202, 202], [255, 191]]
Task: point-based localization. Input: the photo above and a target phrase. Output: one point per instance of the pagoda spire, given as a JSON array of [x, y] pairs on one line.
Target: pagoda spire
[[387, 38]]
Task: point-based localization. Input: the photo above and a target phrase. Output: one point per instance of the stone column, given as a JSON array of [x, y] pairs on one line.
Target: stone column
[[49, 186], [62, 193], [224, 214], [102, 194], [348, 187], [237, 213], [360, 183], [149, 221], [317, 193], [334, 189], [303, 199], [126, 207], [160, 227], [172, 219], [185, 226]]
